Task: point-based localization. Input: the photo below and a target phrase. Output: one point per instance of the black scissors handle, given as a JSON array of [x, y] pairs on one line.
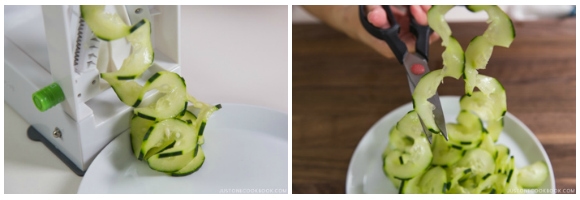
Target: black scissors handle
[[391, 34], [422, 34]]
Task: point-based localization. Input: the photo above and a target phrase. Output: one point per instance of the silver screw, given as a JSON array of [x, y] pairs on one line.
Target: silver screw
[[56, 133], [138, 10]]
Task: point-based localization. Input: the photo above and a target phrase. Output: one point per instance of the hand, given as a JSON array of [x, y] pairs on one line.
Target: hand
[[377, 16], [346, 19]]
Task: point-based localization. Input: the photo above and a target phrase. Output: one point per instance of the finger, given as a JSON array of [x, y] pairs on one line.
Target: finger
[[419, 14], [377, 16], [426, 8]]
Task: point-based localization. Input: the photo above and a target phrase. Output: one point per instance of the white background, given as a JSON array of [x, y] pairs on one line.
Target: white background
[[30, 168]]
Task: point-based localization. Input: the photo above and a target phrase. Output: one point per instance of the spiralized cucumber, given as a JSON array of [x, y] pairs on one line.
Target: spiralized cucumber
[[167, 132], [106, 26], [533, 175], [434, 181], [141, 54], [453, 56], [471, 161]]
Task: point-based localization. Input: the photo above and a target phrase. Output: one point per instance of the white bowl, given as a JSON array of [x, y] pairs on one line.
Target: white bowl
[[365, 173], [246, 150]]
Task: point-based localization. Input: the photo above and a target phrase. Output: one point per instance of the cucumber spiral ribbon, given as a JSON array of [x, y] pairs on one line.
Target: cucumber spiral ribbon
[[470, 162], [173, 104]]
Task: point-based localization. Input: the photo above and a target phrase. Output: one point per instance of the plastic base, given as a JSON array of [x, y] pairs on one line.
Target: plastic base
[[34, 135]]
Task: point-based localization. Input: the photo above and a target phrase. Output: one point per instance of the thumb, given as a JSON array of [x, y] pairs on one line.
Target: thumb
[[377, 16]]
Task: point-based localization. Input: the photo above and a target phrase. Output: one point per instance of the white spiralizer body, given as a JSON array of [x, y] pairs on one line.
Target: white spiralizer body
[[51, 44]]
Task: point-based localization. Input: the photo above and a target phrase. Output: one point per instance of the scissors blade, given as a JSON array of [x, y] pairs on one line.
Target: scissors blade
[[408, 61], [439, 117]]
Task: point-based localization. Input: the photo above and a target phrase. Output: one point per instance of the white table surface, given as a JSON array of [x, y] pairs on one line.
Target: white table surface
[[237, 54]]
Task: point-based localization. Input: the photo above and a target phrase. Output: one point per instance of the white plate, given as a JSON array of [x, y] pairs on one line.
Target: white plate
[[246, 150], [365, 174]]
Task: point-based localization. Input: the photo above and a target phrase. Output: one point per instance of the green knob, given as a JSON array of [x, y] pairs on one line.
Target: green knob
[[48, 97]]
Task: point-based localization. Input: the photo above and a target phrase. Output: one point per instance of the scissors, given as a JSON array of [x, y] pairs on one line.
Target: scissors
[[413, 62]]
